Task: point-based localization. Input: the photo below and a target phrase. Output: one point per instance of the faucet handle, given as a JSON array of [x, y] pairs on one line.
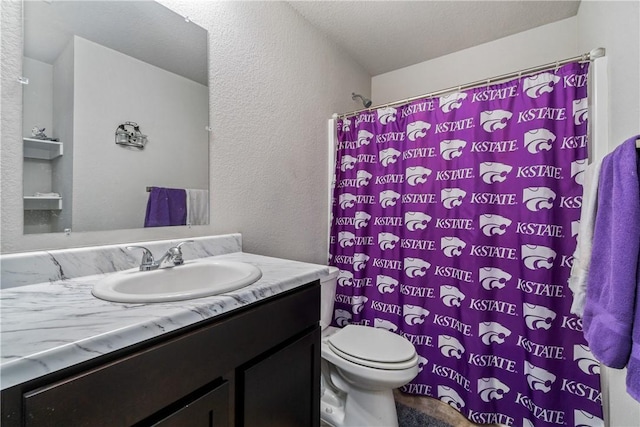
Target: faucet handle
[[147, 258], [176, 253], [182, 243]]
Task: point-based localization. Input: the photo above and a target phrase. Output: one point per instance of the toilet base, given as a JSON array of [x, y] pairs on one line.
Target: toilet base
[[371, 408]]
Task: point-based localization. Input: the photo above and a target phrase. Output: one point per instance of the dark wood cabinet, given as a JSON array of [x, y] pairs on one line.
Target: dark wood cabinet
[[256, 366]]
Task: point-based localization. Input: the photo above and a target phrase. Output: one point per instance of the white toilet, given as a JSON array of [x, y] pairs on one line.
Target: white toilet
[[361, 366]]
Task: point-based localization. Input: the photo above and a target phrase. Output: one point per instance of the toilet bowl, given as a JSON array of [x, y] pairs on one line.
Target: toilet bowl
[[361, 366]]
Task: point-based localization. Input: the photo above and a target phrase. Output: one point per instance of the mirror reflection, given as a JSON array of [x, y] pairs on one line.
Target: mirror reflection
[[115, 117]]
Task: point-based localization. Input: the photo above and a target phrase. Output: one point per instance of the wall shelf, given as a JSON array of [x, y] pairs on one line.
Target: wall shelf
[[41, 149], [33, 203]]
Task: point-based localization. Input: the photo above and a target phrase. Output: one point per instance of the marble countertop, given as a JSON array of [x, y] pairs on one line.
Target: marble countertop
[[49, 326]]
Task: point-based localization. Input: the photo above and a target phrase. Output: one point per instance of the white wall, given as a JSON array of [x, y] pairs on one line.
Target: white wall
[[274, 81], [111, 88], [616, 26], [62, 181], [538, 46]]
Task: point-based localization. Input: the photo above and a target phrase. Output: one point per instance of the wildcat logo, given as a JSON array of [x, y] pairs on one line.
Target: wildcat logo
[[347, 200], [345, 125], [347, 162], [450, 396], [388, 198], [537, 140], [452, 197], [384, 324], [415, 267], [346, 239], [387, 115], [536, 86], [577, 170], [364, 137], [452, 148], [495, 120], [360, 261], [492, 332], [363, 178], [494, 224], [417, 175], [414, 314], [386, 284], [580, 111], [422, 363], [358, 303], [451, 296], [452, 101], [345, 278], [452, 246], [361, 220], [536, 257], [538, 378], [585, 419], [586, 362], [538, 198], [492, 389], [389, 156], [417, 129], [537, 317], [450, 346], [387, 241], [342, 317], [493, 277], [492, 172], [415, 221]]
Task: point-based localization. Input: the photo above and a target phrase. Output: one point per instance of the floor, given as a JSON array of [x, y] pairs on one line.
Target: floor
[[437, 413], [420, 411]]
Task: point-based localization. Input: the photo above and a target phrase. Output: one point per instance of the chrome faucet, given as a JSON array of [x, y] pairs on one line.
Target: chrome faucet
[[172, 257]]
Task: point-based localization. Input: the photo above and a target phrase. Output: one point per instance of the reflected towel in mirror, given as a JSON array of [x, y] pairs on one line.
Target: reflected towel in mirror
[[197, 207], [166, 207]]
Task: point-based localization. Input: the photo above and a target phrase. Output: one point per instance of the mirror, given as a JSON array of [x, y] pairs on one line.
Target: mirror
[[116, 107]]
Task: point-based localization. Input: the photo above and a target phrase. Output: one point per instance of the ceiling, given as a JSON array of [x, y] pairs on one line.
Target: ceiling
[[386, 35]]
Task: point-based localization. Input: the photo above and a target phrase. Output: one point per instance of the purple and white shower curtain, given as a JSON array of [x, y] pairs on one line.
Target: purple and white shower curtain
[[454, 224]]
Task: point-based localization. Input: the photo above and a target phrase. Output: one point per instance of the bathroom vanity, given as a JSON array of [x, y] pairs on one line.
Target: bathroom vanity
[[251, 359]]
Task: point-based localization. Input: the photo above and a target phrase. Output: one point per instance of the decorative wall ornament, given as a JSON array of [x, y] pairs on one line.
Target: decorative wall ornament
[[128, 134]]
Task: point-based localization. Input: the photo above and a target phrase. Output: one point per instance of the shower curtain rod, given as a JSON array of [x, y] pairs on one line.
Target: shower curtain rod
[[585, 57]]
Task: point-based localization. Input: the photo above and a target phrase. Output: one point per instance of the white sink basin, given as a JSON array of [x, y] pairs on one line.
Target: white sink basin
[[193, 279]]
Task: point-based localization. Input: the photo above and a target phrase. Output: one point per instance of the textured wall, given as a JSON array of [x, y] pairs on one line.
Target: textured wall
[[274, 81]]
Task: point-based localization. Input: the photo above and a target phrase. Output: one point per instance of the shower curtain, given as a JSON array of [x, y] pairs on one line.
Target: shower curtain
[[454, 224]]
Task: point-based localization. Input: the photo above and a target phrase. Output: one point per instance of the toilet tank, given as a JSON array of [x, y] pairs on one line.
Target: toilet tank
[[327, 296]]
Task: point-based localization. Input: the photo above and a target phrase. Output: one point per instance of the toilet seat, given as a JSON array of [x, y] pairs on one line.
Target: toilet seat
[[373, 347]]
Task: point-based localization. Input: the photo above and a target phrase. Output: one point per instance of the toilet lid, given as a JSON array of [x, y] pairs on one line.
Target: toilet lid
[[372, 347]]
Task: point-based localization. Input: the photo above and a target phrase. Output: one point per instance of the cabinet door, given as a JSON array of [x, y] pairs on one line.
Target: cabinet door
[[210, 410], [283, 389]]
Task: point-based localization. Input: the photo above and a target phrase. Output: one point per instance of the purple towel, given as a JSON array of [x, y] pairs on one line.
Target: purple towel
[[611, 318], [166, 206]]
